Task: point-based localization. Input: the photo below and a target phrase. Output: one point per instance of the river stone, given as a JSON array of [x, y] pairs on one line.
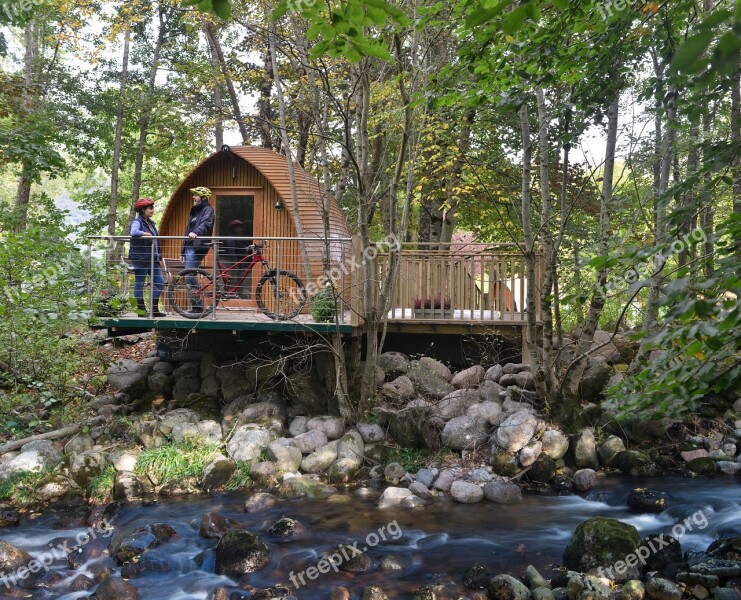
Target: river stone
[[264, 472], [214, 526], [609, 449], [260, 410], [456, 403], [668, 551], [321, 459], [287, 458], [534, 579], [298, 425], [174, 417], [127, 486], [469, 378], [599, 543], [260, 502], [444, 480], [585, 479], [52, 486], [426, 476], [594, 379], [702, 466], [632, 589], [332, 427], [305, 488], [529, 454], [391, 563], [248, 443], [310, 441], [555, 443], [506, 587], [587, 587], [465, 433], [400, 389], [477, 577], [479, 475], [727, 467], [411, 426], [466, 493], [286, 527], [428, 382], [133, 540], [218, 473], [115, 588], [516, 431], [726, 548], [637, 464], [393, 364], [502, 492], [652, 501], [585, 450], [87, 466], [543, 593], [392, 496], [490, 392], [9, 518], [148, 563], [37, 456], [504, 463], [393, 472], [82, 442], [658, 588], [420, 490], [129, 377], [373, 593], [12, 558], [494, 373], [184, 387], [349, 458], [370, 432], [525, 380], [239, 553]]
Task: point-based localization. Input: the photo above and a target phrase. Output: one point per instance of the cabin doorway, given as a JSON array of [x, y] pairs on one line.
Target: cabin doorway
[[236, 215]]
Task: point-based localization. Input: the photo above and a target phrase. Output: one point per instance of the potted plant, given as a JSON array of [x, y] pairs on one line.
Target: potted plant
[[431, 308], [323, 305], [109, 303], [441, 306]]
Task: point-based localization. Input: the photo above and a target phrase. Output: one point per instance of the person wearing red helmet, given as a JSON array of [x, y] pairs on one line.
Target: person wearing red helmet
[[140, 255], [231, 252]]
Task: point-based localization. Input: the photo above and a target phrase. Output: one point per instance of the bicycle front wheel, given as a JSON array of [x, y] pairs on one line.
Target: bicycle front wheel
[[280, 295], [191, 293]]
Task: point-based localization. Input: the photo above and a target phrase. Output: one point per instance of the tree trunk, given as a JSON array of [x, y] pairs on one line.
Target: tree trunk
[[218, 99], [707, 217], [23, 193], [264, 107], [736, 139], [213, 40], [116, 163]]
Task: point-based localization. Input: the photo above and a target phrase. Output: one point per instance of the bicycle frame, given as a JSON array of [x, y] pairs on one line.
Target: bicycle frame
[[254, 258]]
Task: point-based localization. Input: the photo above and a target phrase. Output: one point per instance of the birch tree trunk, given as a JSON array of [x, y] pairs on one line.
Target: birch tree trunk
[[23, 192], [218, 100]]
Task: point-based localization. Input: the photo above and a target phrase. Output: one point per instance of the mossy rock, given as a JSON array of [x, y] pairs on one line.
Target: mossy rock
[[599, 543], [702, 466], [504, 464], [542, 470], [726, 548], [637, 464]]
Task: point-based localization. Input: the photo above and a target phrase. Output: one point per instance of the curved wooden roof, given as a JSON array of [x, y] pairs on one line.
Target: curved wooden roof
[[274, 167]]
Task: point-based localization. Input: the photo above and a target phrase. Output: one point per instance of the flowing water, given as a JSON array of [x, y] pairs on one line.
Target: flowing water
[[436, 542]]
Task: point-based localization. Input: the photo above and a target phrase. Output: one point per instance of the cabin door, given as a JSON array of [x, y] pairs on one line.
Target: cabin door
[[232, 206]]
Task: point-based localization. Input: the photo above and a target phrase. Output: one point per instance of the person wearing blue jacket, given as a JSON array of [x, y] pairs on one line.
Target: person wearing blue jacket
[[198, 231], [140, 255]]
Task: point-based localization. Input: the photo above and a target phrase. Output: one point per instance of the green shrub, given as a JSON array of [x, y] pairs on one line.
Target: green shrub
[[20, 486], [176, 462], [323, 305]]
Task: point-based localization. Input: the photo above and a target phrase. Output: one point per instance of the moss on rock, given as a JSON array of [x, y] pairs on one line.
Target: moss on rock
[[600, 543]]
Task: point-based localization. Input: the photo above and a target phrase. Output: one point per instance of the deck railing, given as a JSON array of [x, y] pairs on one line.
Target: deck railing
[[327, 259], [463, 283]]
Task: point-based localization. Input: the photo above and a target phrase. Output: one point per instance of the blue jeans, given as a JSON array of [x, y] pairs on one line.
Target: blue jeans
[[193, 260], [140, 276]]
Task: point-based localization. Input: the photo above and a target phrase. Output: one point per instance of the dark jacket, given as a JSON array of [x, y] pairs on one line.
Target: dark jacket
[[140, 247], [200, 221], [233, 250]]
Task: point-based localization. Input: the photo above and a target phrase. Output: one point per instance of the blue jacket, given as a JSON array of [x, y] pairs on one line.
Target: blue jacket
[[200, 221], [140, 247]]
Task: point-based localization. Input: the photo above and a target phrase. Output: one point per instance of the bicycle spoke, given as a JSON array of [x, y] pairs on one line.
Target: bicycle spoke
[[281, 299]]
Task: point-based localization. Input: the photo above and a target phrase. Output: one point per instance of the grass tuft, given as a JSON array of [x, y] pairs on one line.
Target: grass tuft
[[100, 488], [176, 462], [240, 479], [20, 486]]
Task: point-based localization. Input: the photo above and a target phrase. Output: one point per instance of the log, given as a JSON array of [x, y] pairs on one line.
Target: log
[[49, 435]]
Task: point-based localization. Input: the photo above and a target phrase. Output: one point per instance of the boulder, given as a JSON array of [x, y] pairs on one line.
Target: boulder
[[332, 427], [148, 563], [12, 558], [393, 364], [82, 442], [469, 378], [504, 463], [525, 380], [585, 450], [543, 469], [214, 526], [477, 577], [555, 443], [305, 393], [217, 473], [506, 587], [466, 493], [668, 551], [185, 386], [370, 432], [174, 417], [703, 465], [529, 454], [373, 593], [350, 452], [248, 443], [494, 373], [133, 540], [298, 425], [516, 431], [420, 490], [637, 464], [285, 528], [400, 389], [392, 496], [129, 377], [286, 458], [411, 426], [658, 588], [428, 381], [393, 472], [465, 433], [239, 553], [51, 487], [502, 492], [444, 480], [490, 391], [594, 379], [128, 487], [115, 588], [305, 488], [514, 368], [599, 543], [456, 403], [260, 410], [38, 456], [609, 449], [321, 459], [233, 381], [584, 479], [426, 476], [310, 441], [489, 410], [260, 502], [651, 501], [87, 466]]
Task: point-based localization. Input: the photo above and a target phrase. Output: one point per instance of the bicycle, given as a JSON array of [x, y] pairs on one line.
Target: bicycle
[[279, 294]]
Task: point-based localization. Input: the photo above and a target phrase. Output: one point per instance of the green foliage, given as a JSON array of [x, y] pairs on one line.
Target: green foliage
[[412, 459], [100, 488], [323, 305], [699, 341], [176, 462], [20, 486], [240, 479]]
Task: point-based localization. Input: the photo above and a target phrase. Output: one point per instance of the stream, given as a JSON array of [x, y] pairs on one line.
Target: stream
[[436, 542]]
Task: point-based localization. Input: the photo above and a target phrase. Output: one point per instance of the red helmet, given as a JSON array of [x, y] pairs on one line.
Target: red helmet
[[143, 203], [235, 223]]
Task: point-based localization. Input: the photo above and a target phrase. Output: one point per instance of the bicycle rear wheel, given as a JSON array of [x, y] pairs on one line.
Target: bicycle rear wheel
[[280, 295], [191, 293]]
